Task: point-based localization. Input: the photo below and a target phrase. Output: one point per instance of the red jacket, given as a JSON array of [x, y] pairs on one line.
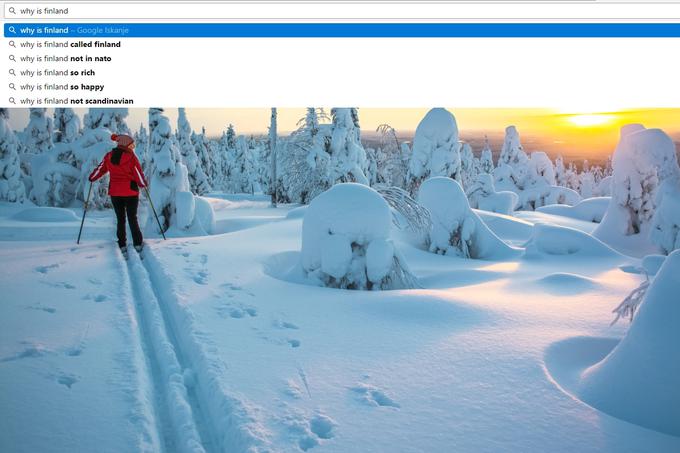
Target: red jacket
[[126, 173]]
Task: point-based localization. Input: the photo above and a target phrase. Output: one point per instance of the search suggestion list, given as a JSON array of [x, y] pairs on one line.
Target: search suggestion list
[[63, 71]]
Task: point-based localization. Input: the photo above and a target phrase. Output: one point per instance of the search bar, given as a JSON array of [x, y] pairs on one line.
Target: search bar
[[339, 11]]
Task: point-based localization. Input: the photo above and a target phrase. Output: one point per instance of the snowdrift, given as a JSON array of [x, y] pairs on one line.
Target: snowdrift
[[638, 380], [346, 241], [456, 229], [652, 263], [553, 240], [590, 209], [564, 283], [46, 214]]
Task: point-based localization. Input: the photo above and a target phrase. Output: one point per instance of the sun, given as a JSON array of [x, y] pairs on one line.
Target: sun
[[590, 119]]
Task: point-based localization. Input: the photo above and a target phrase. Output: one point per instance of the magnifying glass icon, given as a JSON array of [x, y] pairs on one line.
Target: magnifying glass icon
[[11, 72], [11, 57], [12, 87], [12, 101], [11, 43], [12, 10], [12, 29]]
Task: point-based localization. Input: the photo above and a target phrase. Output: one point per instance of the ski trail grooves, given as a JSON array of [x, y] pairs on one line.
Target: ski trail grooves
[[229, 423], [146, 414], [166, 368]]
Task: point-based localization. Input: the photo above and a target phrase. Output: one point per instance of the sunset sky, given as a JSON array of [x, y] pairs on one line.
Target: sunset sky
[[571, 132]]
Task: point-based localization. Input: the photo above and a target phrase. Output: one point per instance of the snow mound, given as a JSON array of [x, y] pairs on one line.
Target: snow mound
[[531, 198], [45, 214], [346, 241], [549, 239], [638, 380], [590, 209], [564, 283], [456, 229]]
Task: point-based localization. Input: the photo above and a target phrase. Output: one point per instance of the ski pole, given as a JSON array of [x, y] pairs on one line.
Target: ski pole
[[89, 191], [148, 196]]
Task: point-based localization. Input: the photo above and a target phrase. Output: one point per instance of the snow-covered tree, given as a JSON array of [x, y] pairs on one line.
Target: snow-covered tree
[[55, 177], [112, 119], [213, 149], [305, 162], [571, 180], [513, 163], [89, 150], [391, 166], [435, 148], [311, 119], [482, 195], [643, 160], [587, 184], [11, 185], [201, 145], [244, 168], [347, 153], [560, 172], [371, 170], [541, 170], [604, 187], [55, 173], [539, 187], [198, 181], [142, 147], [38, 132], [272, 144], [346, 241], [66, 125], [230, 137], [533, 178], [221, 162], [665, 229], [239, 164], [468, 169], [486, 159], [175, 204]]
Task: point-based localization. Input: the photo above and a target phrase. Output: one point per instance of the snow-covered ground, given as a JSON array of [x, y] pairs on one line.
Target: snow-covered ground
[[209, 344]]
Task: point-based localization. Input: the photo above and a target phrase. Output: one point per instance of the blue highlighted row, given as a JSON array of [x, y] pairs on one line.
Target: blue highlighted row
[[344, 30]]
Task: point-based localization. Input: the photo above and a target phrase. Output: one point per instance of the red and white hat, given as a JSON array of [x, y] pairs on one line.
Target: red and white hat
[[124, 141]]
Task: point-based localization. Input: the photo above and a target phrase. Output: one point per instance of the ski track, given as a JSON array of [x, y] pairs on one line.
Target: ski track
[[173, 406], [203, 415], [141, 387]]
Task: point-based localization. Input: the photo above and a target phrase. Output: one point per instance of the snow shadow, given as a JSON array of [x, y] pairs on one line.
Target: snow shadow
[[566, 360]]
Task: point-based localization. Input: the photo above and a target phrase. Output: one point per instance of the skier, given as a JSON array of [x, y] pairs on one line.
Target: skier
[[126, 179]]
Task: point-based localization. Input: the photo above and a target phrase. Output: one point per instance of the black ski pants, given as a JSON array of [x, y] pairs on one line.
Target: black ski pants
[[123, 206]]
